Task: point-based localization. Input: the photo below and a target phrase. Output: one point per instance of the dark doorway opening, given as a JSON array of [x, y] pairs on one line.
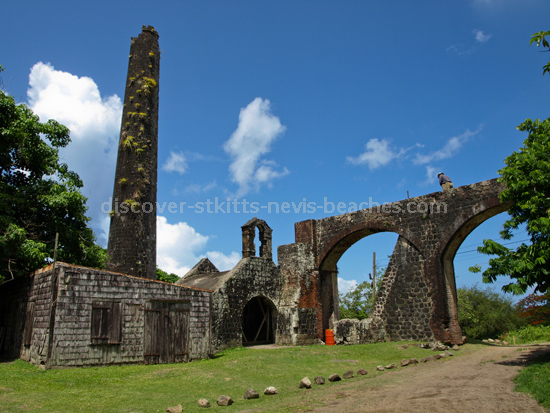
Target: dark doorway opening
[[259, 317]]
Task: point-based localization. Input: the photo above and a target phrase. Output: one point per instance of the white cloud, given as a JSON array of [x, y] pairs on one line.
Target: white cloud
[[180, 246], [377, 153], [345, 286], [266, 172], [175, 163], [482, 37], [196, 188], [258, 128], [451, 147], [94, 123], [431, 176], [223, 262]]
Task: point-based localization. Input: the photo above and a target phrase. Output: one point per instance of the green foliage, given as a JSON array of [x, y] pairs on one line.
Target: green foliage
[[534, 380], [527, 179], [359, 301], [164, 276], [484, 313], [539, 38], [528, 334], [39, 196]]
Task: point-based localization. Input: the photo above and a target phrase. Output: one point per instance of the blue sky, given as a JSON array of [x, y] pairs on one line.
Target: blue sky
[[350, 101]]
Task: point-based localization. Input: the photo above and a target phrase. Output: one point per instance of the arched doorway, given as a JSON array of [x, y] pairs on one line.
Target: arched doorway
[[258, 322]]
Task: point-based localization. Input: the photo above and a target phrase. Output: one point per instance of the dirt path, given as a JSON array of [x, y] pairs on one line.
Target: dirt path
[[476, 382]]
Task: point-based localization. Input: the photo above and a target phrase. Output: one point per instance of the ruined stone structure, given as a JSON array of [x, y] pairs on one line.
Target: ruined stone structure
[[244, 300], [84, 317], [132, 237], [417, 300], [65, 315]]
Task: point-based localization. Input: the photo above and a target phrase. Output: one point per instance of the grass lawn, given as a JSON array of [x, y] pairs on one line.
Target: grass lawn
[[153, 388], [535, 380]]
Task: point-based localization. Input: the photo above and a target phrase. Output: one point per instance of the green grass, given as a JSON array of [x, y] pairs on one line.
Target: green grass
[[535, 380], [152, 388]]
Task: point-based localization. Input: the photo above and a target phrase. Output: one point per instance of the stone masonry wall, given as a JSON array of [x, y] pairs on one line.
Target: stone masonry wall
[[251, 277], [403, 306], [299, 316]]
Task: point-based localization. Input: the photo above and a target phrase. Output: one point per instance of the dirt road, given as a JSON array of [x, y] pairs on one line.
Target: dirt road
[[477, 382]]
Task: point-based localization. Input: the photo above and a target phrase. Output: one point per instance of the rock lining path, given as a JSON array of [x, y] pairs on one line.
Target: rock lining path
[[480, 381]]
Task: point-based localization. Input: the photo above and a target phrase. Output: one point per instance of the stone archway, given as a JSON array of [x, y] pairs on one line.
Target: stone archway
[[258, 321], [418, 297]]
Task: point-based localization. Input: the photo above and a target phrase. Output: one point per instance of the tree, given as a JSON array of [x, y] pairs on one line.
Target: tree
[[359, 301], [535, 309], [39, 196], [164, 276], [485, 313], [527, 179]]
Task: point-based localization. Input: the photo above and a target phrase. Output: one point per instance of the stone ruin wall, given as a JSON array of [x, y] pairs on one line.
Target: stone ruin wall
[[252, 277]]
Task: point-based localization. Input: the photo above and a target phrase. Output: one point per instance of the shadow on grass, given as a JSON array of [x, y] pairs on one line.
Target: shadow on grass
[[538, 354]]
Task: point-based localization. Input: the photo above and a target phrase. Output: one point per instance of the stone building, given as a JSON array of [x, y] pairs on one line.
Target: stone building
[[246, 299]]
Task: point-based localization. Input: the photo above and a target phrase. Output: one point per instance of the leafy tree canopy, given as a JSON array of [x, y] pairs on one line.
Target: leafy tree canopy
[[527, 179], [39, 196]]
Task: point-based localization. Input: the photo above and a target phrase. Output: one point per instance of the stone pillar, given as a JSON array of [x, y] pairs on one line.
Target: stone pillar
[[132, 236]]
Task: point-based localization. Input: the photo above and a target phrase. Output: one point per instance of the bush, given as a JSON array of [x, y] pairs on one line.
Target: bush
[[485, 313], [528, 334]]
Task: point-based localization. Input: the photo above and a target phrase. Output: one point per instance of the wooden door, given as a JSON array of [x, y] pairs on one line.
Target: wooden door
[[166, 332]]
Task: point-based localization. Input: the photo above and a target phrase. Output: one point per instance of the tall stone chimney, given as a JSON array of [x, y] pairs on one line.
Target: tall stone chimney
[[132, 236]]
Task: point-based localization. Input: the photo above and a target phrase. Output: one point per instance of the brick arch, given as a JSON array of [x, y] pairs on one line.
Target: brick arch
[[450, 241], [344, 239]]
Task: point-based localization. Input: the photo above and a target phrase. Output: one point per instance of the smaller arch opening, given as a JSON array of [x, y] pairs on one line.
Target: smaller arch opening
[[258, 322], [257, 239], [257, 243]]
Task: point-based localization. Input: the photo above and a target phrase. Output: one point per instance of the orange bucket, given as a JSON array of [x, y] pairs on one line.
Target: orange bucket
[[329, 337]]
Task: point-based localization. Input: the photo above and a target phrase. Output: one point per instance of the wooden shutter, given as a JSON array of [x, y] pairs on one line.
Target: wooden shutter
[[106, 323]]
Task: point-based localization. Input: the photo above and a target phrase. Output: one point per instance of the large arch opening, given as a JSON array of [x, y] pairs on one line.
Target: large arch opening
[[351, 261], [258, 321], [453, 246]]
